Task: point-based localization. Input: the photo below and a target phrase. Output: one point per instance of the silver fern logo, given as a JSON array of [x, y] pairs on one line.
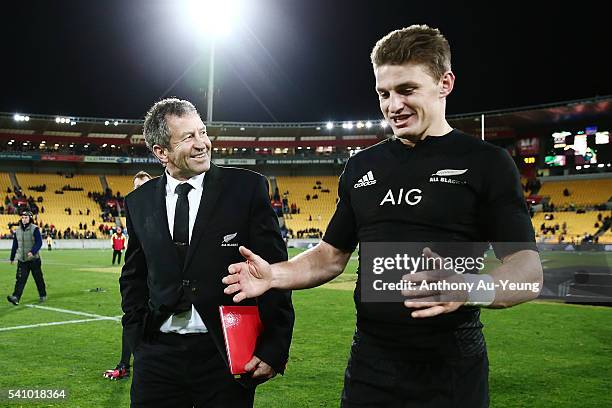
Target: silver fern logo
[[228, 238], [450, 172], [443, 176]]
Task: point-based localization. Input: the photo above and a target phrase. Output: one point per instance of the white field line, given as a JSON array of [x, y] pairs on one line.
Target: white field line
[[29, 326], [54, 309]]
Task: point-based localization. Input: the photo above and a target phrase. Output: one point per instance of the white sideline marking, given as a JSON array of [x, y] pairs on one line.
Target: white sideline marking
[[29, 326], [98, 317]]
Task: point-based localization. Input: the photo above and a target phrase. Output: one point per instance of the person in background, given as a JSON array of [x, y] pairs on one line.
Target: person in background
[[27, 242], [118, 244], [122, 370]]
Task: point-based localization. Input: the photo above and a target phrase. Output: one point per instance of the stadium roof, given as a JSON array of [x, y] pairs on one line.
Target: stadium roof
[[501, 123]]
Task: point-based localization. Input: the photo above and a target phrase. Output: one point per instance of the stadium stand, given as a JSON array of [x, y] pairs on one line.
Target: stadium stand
[[314, 213], [121, 184], [5, 219], [577, 225], [581, 192], [74, 196]]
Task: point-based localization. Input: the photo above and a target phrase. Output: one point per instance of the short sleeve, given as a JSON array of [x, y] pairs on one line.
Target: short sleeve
[[342, 229], [505, 220]]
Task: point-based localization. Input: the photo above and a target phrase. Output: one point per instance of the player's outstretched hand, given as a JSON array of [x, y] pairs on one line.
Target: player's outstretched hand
[[248, 279]]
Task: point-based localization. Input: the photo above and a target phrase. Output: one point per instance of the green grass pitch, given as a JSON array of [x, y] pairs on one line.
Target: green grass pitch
[[541, 354]]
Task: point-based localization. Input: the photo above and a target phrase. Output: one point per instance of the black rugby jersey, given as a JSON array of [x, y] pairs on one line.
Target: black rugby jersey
[[451, 188]]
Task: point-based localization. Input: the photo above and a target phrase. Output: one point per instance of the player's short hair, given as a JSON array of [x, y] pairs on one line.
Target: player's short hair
[[419, 44], [142, 175], [155, 127]]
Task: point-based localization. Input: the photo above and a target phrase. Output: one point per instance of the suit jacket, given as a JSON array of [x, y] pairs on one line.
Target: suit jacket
[[234, 210]]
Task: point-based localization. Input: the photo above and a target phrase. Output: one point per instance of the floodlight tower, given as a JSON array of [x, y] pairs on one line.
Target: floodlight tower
[[213, 19]]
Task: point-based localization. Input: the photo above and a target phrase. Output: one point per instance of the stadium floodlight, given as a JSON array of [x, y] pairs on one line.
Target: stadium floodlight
[[116, 123], [347, 125], [106, 123], [383, 124], [360, 125], [21, 118], [368, 124], [212, 20], [214, 17], [57, 119], [329, 125]]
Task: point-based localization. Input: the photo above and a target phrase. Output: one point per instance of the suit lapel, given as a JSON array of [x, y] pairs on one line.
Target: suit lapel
[[210, 194]]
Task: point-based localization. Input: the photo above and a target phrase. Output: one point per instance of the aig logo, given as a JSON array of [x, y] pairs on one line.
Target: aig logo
[[412, 197]]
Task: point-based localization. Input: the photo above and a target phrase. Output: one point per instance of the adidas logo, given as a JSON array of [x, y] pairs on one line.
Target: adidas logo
[[366, 180]]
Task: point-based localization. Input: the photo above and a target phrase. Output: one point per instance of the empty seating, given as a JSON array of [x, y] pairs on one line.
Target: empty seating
[[315, 212], [581, 192]]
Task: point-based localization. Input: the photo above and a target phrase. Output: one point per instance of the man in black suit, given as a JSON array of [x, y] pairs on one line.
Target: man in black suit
[[185, 228]]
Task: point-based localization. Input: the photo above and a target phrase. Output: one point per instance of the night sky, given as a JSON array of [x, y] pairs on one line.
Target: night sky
[[291, 60]]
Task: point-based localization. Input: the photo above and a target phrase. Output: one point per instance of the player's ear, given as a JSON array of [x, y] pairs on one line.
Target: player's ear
[[447, 82], [161, 153]]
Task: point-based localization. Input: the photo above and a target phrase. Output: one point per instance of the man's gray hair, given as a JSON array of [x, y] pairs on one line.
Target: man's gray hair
[[155, 127]]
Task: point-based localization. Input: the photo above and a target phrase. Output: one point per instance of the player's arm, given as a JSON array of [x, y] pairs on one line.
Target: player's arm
[[509, 229], [311, 268], [522, 269]]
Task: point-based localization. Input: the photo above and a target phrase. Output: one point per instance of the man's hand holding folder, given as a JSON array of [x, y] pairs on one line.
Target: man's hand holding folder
[[241, 328]]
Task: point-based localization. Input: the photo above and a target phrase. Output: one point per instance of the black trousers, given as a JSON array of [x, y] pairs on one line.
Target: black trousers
[[374, 378], [116, 253], [184, 371], [23, 272]]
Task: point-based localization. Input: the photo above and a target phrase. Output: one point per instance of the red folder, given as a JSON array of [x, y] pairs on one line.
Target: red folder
[[241, 327]]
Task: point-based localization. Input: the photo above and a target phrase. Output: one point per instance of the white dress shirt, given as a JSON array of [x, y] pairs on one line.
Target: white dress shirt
[[189, 321]]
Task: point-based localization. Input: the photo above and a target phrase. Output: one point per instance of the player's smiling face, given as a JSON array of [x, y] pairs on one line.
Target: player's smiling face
[[411, 100]]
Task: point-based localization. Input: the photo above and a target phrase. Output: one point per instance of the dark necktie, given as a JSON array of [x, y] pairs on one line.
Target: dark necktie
[[181, 219]]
